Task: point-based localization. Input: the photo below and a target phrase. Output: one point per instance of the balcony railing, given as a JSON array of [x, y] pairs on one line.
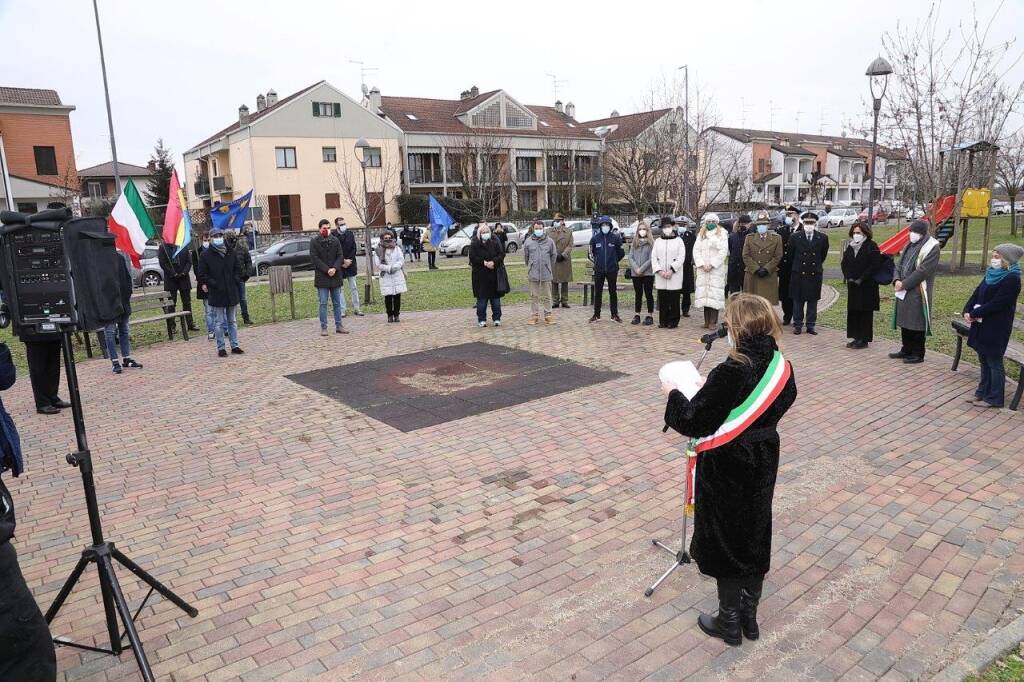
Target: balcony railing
[[559, 175], [222, 183], [805, 177], [844, 179], [527, 175], [420, 176], [792, 178], [202, 188], [588, 175]]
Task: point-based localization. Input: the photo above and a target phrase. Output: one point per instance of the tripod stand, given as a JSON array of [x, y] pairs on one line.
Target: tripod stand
[[102, 552], [682, 556]]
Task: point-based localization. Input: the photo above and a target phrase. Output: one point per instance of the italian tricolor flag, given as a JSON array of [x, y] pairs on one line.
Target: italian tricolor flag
[[130, 224]]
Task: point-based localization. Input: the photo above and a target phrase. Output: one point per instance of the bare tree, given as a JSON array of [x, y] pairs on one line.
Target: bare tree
[[480, 164], [1010, 173]]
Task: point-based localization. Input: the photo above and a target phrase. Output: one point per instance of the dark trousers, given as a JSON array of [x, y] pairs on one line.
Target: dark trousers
[[559, 293], [613, 294], [787, 308], [643, 286], [668, 308], [175, 287], [26, 650], [992, 387], [44, 370], [860, 325], [243, 305], [798, 307], [685, 296], [913, 342], [393, 304], [432, 259]]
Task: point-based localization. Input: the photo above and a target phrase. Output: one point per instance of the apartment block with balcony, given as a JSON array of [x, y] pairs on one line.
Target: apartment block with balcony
[[524, 157], [37, 152], [99, 184], [297, 155]]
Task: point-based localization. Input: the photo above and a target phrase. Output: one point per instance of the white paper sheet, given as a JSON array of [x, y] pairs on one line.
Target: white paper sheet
[[683, 375], [901, 294]]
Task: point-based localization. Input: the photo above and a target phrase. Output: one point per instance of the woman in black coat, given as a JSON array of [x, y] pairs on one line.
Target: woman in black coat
[[737, 467], [689, 237], [861, 261], [487, 258], [990, 311]]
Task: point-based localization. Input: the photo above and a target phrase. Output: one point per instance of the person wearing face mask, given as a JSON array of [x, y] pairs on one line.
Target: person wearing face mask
[[349, 269], [325, 255], [689, 238], [735, 278], [220, 271], [762, 253], [562, 236], [428, 246], [200, 294], [913, 288], [808, 250], [732, 422], [990, 311], [605, 251], [390, 263], [667, 257], [641, 271], [710, 258], [861, 260], [499, 234], [241, 249], [790, 224], [490, 281], [539, 253], [177, 268]]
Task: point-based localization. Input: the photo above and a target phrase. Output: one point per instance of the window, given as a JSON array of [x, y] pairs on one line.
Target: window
[[95, 190], [527, 200], [327, 109], [489, 117], [285, 157], [332, 200], [46, 160], [26, 207], [760, 166], [330, 154], [516, 117], [411, 117], [371, 155], [544, 124], [673, 127]]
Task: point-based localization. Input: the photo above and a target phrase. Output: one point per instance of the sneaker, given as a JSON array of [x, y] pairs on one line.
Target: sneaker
[[532, 320], [323, 331], [616, 318], [548, 319], [648, 321], [340, 330], [481, 324], [209, 336], [128, 362], [595, 318], [497, 323], [222, 353], [358, 313], [237, 351], [636, 319], [116, 368]]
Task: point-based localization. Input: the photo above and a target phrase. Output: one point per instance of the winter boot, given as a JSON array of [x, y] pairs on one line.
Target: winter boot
[[648, 321], [636, 319], [750, 596], [726, 623]]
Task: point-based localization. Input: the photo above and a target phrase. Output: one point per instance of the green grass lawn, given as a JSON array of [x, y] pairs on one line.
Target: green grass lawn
[[1010, 668]]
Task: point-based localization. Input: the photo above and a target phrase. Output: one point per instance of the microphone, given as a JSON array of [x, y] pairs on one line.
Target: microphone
[[719, 333]]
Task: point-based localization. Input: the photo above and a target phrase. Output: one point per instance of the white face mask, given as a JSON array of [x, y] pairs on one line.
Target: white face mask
[[858, 238], [996, 263], [808, 228], [669, 231], [642, 233], [342, 228], [485, 235], [914, 237], [605, 229]]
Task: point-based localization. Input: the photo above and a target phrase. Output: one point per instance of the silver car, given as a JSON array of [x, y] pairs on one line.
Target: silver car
[[151, 274]]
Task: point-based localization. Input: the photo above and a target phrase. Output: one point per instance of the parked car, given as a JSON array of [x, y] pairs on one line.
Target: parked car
[[150, 274], [582, 231], [1000, 208], [724, 217], [881, 215], [293, 251], [841, 217], [458, 243], [914, 212]]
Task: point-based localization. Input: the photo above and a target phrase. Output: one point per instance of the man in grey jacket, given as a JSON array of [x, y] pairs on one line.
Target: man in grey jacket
[[540, 253], [914, 285]]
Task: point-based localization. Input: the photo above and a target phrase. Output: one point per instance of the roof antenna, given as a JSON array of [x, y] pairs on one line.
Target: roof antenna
[[556, 83], [743, 112], [364, 70]]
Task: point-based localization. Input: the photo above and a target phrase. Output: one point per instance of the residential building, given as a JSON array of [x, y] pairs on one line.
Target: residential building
[[37, 152], [98, 183], [491, 148], [297, 154], [778, 167]]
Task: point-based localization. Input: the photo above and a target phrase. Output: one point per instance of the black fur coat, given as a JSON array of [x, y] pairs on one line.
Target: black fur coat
[[732, 534]]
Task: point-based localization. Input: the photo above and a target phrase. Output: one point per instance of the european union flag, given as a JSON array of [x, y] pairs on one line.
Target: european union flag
[[440, 221], [232, 215]]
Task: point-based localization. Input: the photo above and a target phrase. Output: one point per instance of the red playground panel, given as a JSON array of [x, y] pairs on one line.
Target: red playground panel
[[937, 213]]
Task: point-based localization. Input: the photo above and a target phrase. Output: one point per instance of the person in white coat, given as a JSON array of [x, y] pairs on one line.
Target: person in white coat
[[667, 260], [711, 262], [390, 263]]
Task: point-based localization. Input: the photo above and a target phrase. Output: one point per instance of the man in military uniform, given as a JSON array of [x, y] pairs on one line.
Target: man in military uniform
[[808, 249], [762, 253], [789, 223]]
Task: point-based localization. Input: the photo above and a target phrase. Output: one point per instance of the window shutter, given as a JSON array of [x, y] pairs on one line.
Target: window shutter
[[316, 108], [337, 110]]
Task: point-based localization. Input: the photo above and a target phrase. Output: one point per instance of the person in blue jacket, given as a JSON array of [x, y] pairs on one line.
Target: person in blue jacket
[[26, 650], [990, 311], [605, 251]]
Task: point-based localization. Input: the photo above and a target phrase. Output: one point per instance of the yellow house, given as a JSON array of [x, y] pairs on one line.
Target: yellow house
[[298, 156]]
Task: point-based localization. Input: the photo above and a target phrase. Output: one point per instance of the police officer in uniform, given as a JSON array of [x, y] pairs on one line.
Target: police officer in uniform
[[789, 223], [808, 249]]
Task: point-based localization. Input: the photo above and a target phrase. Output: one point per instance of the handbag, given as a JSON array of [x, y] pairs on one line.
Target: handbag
[[502, 286], [628, 274], [886, 270]]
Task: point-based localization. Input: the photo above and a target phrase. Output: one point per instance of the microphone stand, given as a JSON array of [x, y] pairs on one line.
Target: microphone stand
[[681, 556]]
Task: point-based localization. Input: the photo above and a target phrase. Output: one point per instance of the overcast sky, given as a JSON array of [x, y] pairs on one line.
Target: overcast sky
[[182, 74]]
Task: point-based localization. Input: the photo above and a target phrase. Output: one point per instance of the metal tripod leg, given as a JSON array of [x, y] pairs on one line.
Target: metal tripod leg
[[145, 577], [107, 571], [682, 557]]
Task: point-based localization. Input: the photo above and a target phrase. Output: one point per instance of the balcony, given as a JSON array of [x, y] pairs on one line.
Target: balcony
[[222, 183], [805, 178], [588, 175], [844, 179], [425, 176], [792, 178], [559, 175], [202, 188], [527, 175]]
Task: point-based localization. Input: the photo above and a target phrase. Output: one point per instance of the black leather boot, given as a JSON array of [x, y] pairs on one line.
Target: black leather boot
[[750, 596], [726, 623]]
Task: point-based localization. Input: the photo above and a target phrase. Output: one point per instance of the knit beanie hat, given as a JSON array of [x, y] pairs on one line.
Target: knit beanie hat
[[920, 227], [1011, 253]]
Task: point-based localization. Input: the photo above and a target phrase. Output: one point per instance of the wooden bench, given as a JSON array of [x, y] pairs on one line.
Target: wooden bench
[[148, 302], [1014, 351]]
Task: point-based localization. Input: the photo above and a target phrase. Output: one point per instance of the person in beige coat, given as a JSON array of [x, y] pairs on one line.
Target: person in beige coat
[[562, 275], [762, 253]]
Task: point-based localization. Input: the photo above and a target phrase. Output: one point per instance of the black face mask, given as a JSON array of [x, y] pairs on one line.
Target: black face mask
[[231, 241]]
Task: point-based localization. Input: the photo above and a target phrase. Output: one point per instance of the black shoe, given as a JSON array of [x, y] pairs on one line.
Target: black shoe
[[247, 322], [898, 355], [913, 360], [786, 321], [725, 625], [61, 404], [648, 321], [48, 409], [222, 353], [662, 325], [851, 344], [129, 362], [237, 351], [860, 344], [595, 318], [797, 331], [193, 328], [564, 304], [116, 367], [616, 318], [810, 330], [686, 313], [636, 319], [749, 599], [396, 319]]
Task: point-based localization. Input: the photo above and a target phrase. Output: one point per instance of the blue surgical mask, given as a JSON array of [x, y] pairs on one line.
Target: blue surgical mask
[[762, 229], [219, 241], [789, 221], [605, 229], [538, 233]]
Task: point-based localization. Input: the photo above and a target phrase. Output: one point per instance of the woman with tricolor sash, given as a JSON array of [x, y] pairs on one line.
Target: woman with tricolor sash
[[731, 422]]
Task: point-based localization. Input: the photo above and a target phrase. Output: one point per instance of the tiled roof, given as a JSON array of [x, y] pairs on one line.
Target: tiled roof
[[467, 104], [835, 142], [440, 116], [256, 115], [106, 170], [844, 153], [628, 126], [791, 149], [29, 96]]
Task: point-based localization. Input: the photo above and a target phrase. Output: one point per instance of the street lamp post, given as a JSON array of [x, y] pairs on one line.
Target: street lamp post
[[360, 151], [878, 71], [685, 68]]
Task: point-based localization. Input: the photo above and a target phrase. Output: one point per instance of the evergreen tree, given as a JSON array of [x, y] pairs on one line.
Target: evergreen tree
[[159, 182]]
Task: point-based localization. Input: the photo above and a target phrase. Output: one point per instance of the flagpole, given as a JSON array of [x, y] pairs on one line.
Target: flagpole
[[106, 95]]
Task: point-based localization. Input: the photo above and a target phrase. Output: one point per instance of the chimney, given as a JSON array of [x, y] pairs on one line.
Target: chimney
[[373, 97], [243, 115], [615, 113], [558, 105], [261, 102], [464, 95], [474, 91], [570, 110], [271, 97]]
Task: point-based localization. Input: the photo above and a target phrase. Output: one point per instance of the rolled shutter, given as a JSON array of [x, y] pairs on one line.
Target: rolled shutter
[[337, 110], [316, 108]]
